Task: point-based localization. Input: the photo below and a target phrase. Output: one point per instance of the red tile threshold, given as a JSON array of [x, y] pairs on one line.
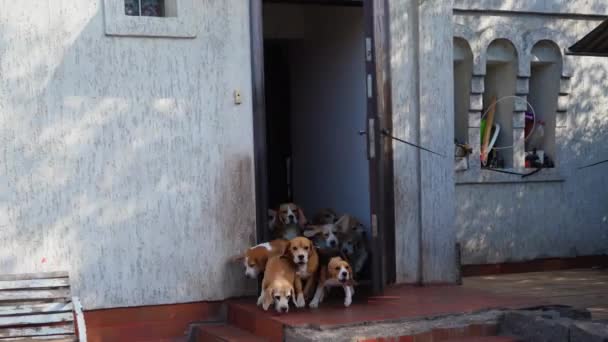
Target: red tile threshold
[[398, 302]]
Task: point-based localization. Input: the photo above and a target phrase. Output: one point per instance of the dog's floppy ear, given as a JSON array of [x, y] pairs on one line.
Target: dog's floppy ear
[[311, 231], [286, 252], [301, 218], [238, 258]]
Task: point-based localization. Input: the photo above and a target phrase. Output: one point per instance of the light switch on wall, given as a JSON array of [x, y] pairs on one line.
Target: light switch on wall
[[237, 97]]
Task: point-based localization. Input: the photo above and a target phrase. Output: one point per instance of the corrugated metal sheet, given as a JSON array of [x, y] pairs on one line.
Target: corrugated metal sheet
[[595, 43]]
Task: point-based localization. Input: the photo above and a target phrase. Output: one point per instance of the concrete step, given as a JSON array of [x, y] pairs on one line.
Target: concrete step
[[222, 332]]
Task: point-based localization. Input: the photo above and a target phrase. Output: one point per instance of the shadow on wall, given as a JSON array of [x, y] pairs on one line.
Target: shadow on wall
[[517, 222], [121, 163]]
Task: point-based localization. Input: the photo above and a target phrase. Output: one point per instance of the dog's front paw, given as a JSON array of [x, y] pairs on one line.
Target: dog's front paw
[[300, 303], [347, 301], [260, 300], [313, 304]]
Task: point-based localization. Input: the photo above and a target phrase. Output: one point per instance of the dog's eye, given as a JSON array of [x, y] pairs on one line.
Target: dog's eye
[[294, 248], [337, 268], [325, 234], [277, 298], [306, 248]]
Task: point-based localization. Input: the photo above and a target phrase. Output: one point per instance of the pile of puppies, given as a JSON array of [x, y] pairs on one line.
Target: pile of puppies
[[304, 257]]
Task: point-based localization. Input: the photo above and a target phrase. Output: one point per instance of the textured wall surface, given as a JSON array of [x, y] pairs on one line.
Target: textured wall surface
[[125, 160], [423, 107], [509, 220]]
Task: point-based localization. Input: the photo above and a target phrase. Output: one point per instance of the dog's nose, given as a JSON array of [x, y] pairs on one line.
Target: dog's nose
[[301, 257], [283, 309], [343, 274], [291, 217], [344, 250], [332, 243]]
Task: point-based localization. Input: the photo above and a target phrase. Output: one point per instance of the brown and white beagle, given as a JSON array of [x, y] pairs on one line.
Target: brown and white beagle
[[280, 285], [335, 273], [290, 220], [272, 220], [347, 224], [323, 236], [325, 216], [303, 254], [290, 213], [255, 258]]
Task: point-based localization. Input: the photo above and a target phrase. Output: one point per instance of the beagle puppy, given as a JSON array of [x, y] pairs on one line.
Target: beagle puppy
[[324, 236], [290, 220], [354, 247], [272, 220], [347, 224], [280, 285], [255, 258], [303, 255], [325, 216], [336, 272], [289, 213]]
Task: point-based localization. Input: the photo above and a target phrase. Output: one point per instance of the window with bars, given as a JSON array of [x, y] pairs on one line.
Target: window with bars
[[147, 8]]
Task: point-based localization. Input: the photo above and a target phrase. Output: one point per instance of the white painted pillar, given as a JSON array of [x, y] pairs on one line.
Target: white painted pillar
[[423, 112]]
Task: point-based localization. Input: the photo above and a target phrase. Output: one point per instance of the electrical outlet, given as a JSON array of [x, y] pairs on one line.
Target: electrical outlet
[[237, 97]]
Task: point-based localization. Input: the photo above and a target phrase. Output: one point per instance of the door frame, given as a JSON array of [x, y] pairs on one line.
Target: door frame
[[379, 107]]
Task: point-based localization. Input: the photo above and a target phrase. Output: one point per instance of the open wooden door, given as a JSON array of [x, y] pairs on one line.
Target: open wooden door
[[379, 122]]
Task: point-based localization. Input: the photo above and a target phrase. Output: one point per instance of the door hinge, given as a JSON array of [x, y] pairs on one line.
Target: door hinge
[[374, 226], [371, 138], [368, 49]]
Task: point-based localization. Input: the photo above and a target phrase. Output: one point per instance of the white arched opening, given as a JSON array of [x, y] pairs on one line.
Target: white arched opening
[[500, 83], [545, 75], [463, 72]]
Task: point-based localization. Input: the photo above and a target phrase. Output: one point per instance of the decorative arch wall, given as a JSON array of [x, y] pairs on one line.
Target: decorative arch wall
[[523, 44]]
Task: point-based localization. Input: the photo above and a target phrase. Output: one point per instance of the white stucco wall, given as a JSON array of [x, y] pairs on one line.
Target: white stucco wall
[[124, 159], [564, 214]]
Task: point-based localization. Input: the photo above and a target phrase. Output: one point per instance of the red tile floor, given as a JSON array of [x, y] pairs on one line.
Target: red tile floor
[[397, 303]]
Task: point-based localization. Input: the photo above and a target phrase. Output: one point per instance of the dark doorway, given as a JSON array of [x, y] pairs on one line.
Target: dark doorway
[[278, 121], [318, 83]]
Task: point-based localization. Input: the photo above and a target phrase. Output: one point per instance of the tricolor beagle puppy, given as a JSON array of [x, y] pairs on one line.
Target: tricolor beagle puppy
[[347, 224], [255, 258], [325, 216], [324, 236], [354, 247], [303, 254], [272, 220], [280, 285], [336, 272], [290, 220]]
